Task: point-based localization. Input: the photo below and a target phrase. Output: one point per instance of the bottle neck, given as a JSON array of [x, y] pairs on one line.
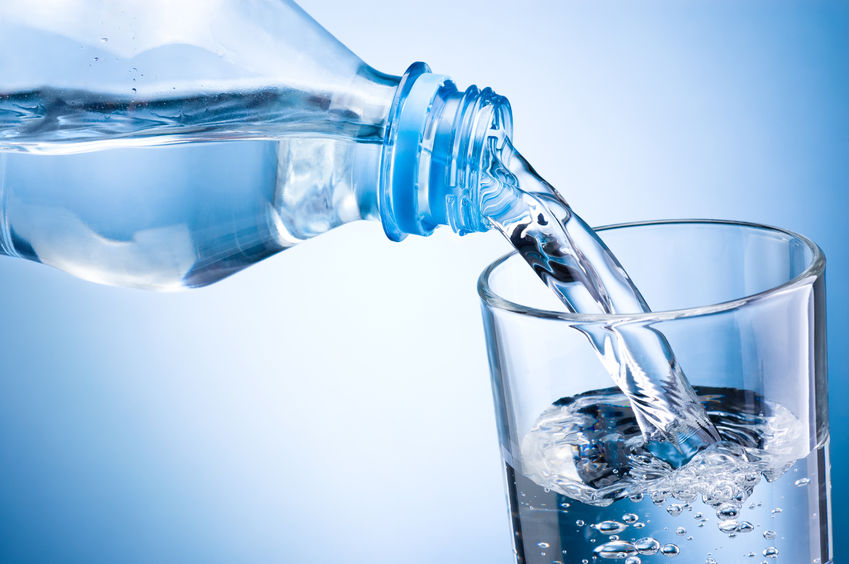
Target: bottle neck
[[431, 158]]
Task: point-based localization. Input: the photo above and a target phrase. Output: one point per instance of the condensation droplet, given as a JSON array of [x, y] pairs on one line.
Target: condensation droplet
[[674, 509], [771, 552], [543, 545], [802, 482], [680, 531], [710, 560], [769, 534], [633, 560], [630, 518], [580, 522], [639, 525]]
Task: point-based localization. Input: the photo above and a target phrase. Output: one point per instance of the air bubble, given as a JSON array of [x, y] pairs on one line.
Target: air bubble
[[727, 511], [610, 527], [728, 526], [630, 518], [745, 527], [674, 509], [615, 550], [669, 550], [633, 560], [580, 522], [647, 546], [680, 531]]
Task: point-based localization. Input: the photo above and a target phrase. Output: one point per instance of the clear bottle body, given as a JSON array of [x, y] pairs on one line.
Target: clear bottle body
[[164, 158]]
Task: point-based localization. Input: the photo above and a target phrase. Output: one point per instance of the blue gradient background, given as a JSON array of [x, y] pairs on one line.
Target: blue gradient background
[[332, 404]]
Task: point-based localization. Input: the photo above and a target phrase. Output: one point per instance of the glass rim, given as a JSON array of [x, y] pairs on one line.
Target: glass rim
[[815, 268]]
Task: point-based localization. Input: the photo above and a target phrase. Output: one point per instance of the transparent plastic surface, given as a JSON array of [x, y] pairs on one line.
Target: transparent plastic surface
[[162, 145], [743, 308]]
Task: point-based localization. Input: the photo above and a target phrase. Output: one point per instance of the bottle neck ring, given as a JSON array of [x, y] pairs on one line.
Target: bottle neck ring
[[432, 154]]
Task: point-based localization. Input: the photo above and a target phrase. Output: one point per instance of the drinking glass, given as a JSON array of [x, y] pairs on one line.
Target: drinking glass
[[743, 309]]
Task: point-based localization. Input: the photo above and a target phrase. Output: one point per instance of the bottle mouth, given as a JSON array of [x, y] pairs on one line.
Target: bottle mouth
[[431, 158]]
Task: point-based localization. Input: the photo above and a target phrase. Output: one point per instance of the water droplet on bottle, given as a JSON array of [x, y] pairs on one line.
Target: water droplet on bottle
[[680, 531], [769, 534], [647, 546], [698, 516], [636, 498], [543, 545], [610, 527], [580, 522], [639, 525], [134, 90], [633, 560], [771, 552], [710, 560], [104, 39], [776, 511], [802, 482], [630, 518], [674, 509], [669, 550], [96, 59]]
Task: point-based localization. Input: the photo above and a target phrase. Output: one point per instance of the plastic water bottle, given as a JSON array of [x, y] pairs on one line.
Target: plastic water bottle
[[166, 145]]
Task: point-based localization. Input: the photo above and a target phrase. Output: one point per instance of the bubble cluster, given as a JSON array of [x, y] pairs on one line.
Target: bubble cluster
[[760, 438]]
